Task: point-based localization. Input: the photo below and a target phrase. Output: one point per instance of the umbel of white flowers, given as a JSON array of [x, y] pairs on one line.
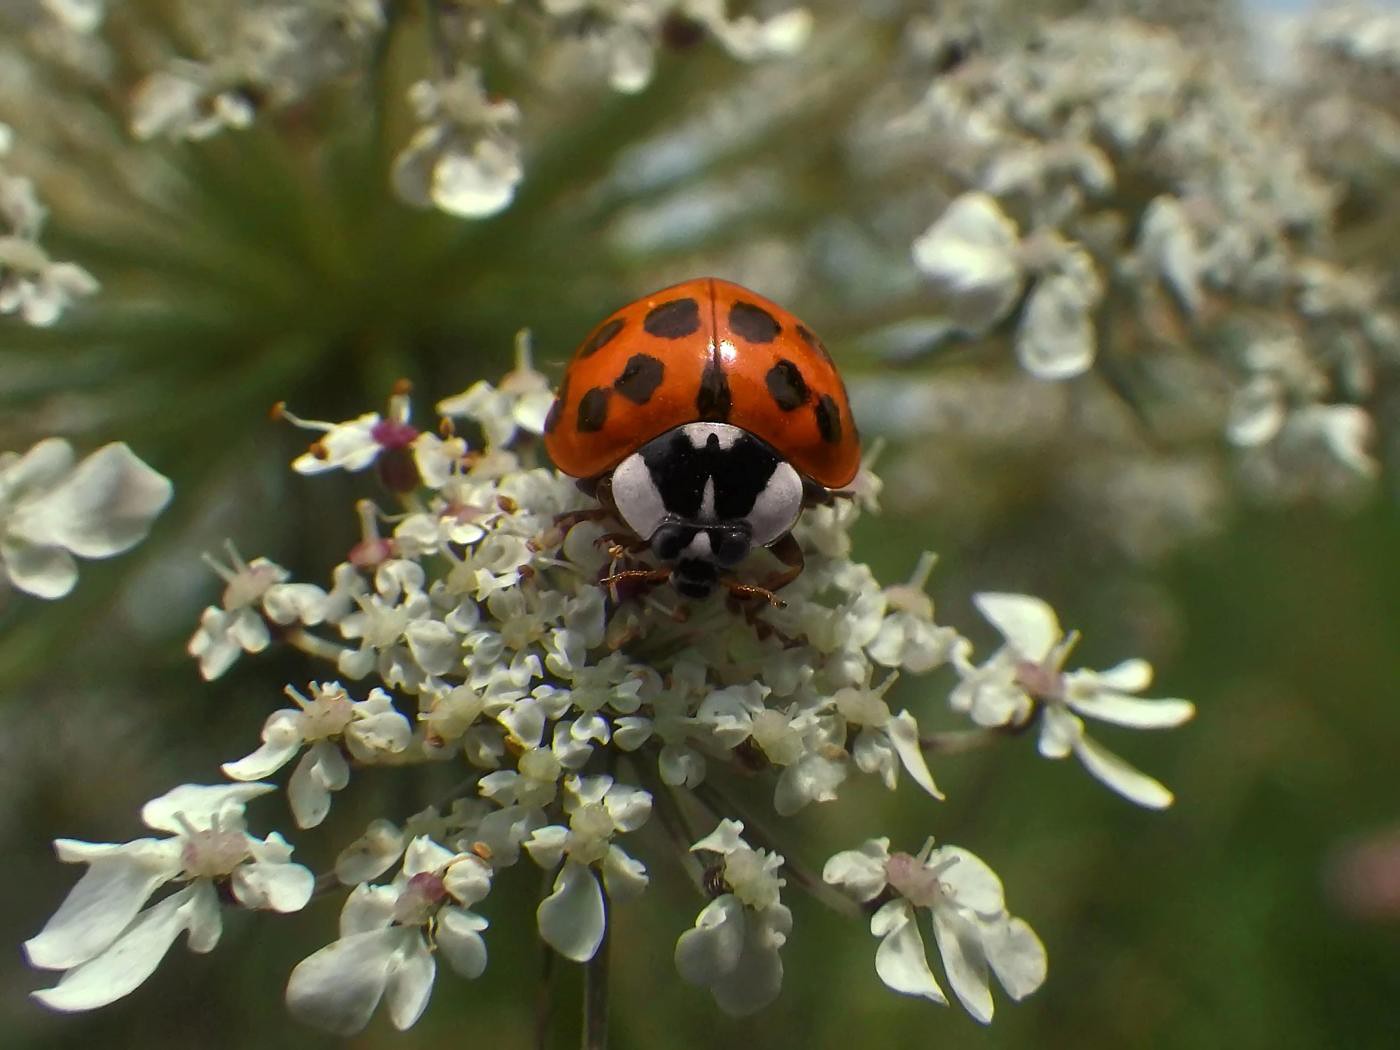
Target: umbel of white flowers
[[476, 624]]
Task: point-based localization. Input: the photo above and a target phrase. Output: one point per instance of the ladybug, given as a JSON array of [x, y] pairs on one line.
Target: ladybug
[[705, 418]]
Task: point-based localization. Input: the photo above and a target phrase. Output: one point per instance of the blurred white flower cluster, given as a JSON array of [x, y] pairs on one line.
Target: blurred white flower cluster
[[592, 731], [1117, 199], [31, 284], [465, 156]]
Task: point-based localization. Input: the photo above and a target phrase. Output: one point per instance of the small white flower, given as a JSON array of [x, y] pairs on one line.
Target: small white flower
[[53, 509], [465, 158], [389, 937], [572, 918], [884, 741], [34, 286], [907, 637], [359, 443], [255, 593], [1025, 677], [105, 941], [733, 949], [520, 403], [370, 729], [806, 744], [974, 931]]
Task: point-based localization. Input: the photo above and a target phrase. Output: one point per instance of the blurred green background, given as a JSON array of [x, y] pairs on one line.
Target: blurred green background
[[274, 264]]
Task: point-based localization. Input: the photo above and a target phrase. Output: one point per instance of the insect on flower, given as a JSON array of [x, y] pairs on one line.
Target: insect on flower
[[704, 418]]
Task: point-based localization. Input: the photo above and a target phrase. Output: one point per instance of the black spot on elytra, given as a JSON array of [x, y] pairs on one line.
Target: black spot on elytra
[[640, 378], [787, 386], [602, 337], [673, 320], [828, 419], [811, 340], [593, 410], [753, 323], [713, 400], [680, 471]]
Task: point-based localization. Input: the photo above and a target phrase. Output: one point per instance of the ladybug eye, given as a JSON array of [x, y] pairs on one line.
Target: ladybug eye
[[731, 545], [669, 540]]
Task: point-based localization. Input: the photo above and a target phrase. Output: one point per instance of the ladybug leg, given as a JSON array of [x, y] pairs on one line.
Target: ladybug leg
[[644, 577], [743, 592], [566, 521], [788, 551]]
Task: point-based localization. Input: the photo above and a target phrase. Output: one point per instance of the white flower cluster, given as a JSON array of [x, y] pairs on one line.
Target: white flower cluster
[[573, 712], [623, 35], [259, 55], [1102, 176], [31, 284], [54, 509], [465, 156]]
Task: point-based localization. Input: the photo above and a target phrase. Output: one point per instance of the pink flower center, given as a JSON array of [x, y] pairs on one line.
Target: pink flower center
[[393, 434]]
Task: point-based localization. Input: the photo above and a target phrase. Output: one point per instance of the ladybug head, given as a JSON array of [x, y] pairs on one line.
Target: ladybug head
[[703, 495]]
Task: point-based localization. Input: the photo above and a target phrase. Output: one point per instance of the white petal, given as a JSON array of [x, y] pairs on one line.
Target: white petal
[[758, 978], [970, 256], [104, 507], [467, 879], [900, 961], [434, 645], [860, 872], [370, 855], [1059, 731], [338, 987], [963, 961], [459, 940], [204, 917], [45, 572], [726, 838], [1130, 676], [814, 778], [1055, 339], [904, 734], [200, 804], [546, 845], [130, 959], [572, 918], [322, 769], [1017, 957], [273, 886], [1131, 783], [973, 884], [367, 908], [1132, 711], [410, 982], [281, 740], [625, 877], [1027, 623], [476, 184], [711, 950], [629, 807], [41, 468], [102, 904]]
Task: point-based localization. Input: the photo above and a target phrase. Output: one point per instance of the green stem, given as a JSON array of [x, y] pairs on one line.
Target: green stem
[[595, 988]]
